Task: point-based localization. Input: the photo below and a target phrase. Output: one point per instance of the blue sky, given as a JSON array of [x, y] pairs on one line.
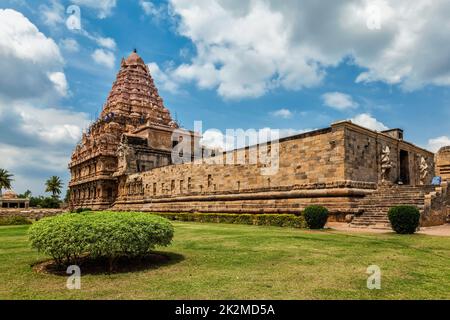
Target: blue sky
[[232, 64]]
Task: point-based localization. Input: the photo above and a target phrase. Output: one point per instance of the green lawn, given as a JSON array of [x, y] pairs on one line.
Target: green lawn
[[244, 262]]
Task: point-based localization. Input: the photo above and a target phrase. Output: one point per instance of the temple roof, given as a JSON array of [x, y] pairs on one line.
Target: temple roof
[[134, 58], [9, 194], [135, 95]]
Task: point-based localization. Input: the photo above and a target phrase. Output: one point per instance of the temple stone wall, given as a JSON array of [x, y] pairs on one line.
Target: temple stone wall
[[311, 171], [305, 160], [363, 150], [335, 167]]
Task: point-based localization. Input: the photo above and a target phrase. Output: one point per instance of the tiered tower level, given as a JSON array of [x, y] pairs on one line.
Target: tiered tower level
[[133, 105]]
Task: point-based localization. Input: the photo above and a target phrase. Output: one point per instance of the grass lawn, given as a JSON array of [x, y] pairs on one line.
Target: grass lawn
[[244, 262]]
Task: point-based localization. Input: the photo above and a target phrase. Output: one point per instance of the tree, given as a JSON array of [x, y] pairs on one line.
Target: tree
[[26, 195], [54, 185], [5, 180]]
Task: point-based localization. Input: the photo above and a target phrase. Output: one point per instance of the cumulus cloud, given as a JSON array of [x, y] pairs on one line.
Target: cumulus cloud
[[104, 57], [367, 121], [52, 14], [245, 49], [32, 62], [35, 140], [104, 8], [282, 113], [108, 43], [60, 82], [150, 8], [163, 81], [339, 101], [70, 45], [436, 143]]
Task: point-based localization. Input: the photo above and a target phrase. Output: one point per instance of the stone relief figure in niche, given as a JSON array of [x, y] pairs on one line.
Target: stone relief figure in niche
[[423, 168], [123, 155], [386, 164]]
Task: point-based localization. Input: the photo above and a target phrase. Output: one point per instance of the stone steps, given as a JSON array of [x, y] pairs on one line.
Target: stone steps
[[375, 207]]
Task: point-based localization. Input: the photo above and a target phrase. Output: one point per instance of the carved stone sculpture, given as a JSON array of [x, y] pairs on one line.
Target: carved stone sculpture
[[386, 164], [123, 157], [423, 171]]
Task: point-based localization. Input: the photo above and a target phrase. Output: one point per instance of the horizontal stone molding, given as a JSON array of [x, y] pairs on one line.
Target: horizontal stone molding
[[319, 193]]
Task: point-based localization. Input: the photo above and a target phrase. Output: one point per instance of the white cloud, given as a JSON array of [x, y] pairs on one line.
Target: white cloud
[[150, 9], [70, 45], [103, 7], [282, 113], [339, 101], [437, 143], [52, 15], [48, 125], [32, 62], [60, 82], [367, 121], [245, 49], [105, 58], [108, 43], [37, 142], [162, 79], [31, 166]]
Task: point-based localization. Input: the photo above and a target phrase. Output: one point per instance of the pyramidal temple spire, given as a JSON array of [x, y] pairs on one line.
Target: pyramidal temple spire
[[134, 94]]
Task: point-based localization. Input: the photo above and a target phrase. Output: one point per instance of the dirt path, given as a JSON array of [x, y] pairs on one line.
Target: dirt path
[[443, 231]]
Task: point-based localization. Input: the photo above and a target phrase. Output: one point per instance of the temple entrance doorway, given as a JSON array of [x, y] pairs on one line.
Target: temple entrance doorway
[[404, 167]]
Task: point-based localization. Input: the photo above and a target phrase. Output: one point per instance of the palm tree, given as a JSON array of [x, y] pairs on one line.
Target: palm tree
[[5, 180], [28, 194], [54, 185]]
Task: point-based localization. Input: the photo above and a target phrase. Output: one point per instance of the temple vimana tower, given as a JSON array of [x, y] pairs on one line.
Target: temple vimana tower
[[125, 162]]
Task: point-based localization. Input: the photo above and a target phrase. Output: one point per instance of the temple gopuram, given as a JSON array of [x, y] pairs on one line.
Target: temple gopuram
[[125, 162], [133, 108]]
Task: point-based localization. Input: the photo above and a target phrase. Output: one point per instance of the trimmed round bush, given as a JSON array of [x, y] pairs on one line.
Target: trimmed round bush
[[316, 217], [109, 235], [404, 219]]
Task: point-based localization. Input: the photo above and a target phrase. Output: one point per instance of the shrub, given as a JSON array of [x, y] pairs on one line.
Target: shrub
[[14, 221], [80, 210], [316, 217], [108, 235], [46, 203], [404, 219], [279, 220]]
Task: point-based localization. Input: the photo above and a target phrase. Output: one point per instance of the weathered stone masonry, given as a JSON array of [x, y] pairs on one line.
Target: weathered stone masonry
[[335, 167], [124, 162]]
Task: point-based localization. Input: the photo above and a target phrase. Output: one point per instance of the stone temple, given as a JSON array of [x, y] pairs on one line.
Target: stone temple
[[125, 162]]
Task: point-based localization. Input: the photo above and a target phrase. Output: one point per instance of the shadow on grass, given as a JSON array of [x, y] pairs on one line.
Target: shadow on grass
[[90, 266]]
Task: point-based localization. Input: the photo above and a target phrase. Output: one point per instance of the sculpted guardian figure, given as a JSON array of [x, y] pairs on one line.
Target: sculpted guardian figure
[[386, 164], [123, 154], [423, 171]]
